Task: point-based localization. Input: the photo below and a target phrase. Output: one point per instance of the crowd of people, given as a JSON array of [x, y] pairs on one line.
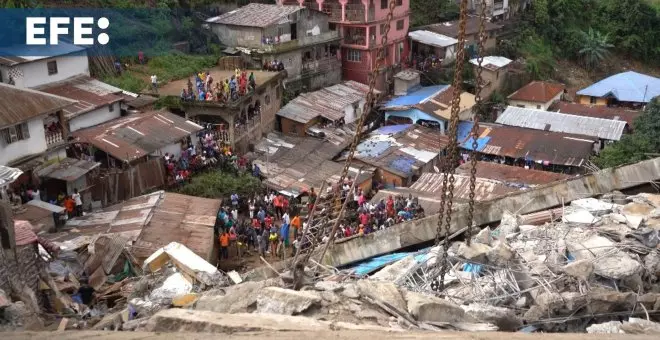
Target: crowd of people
[[274, 65], [205, 88], [71, 202]]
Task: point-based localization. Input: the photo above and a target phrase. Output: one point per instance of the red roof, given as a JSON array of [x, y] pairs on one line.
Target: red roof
[[23, 233], [538, 92], [597, 111]]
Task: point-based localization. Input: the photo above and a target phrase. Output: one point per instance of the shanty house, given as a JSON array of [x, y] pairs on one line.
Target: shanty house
[[338, 104], [597, 111], [429, 106], [299, 37], [400, 153], [537, 94], [630, 89], [450, 29], [534, 149], [493, 74], [511, 175], [26, 127], [426, 44], [599, 128]]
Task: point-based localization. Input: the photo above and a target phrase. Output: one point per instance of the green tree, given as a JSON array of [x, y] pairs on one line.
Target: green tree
[[426, 12], [217, 184], [595, 47], [636, 147], [539, 58]]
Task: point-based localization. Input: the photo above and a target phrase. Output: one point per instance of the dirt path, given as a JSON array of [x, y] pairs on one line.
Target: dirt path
[[324, 335]]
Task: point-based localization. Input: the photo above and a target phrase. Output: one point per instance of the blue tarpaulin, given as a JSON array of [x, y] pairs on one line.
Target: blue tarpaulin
[[392, 129], [414, 115], [403, 165], [378, 262], [416, 97], [372, 149]]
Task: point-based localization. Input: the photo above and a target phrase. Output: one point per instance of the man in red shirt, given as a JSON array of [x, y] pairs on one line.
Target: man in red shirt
[[269, 221]]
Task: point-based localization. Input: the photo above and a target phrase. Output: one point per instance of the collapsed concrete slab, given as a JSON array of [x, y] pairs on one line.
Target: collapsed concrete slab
[[276, 300], [545, 197]]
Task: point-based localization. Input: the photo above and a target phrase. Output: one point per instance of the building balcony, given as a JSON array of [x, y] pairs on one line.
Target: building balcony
[[54, 138], [271, 45]]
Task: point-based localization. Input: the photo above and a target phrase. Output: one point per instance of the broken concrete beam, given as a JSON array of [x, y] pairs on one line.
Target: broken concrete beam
[[505, 319], [237, 299], [276, 300], [383, 291], [552, 195], [428, 308]]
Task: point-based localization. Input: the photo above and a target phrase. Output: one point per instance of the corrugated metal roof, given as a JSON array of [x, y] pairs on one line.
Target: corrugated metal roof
[[492, 62], [188, 220], [89, 93], [135, 136], [403, 151], [20, 105], [296, 164], [8, 175], [67, 169], [626, 87], [450, 28], [538, 92], [417, 97], [256, 15], [534, 145], [511, 174], [432, 38], [34, 53], [329, 102], [23, 233], [596, 111], [560, 122]]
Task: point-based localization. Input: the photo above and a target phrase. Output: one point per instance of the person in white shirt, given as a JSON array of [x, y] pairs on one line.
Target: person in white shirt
[[36, 195], [78, 200], [285, 218], [154, 83]]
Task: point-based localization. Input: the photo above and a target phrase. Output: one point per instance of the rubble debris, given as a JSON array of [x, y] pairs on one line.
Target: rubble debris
[[331, 286], [185, 300], [581, 269], [608, 261], [430, 308], [384, 291], [505, 319], [631, 326], [240, 298], [277, 300], [175, 285], [475, 251], [605, 327], [187, 261]]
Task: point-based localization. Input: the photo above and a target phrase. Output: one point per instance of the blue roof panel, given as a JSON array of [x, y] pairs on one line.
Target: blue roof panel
[[372, 148], [415, 97], [392, 129], [403, 165], [626, 87]]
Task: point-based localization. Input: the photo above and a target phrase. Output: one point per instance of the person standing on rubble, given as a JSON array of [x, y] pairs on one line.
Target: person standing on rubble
[[224, 245], [296, 224], [273, 239], [78, 200]]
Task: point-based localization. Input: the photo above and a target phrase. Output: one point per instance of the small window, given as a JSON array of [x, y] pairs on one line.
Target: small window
[[382, 29], [52, 67], [354, 55], [15, 133], [399, 2], [383, 4], [111, 107], [538, 107], [592, 100], [399, 25], [521, 106], [267, 100], [332, 26]]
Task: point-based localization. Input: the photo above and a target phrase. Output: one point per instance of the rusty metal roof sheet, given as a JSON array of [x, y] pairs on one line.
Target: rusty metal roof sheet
[[179, 218], [38, 213], [67, 169], [20, 105], [329, 102], [560, 122], [296, 164], [596, 111], [23, 233], [401, 149], [511, 174], [538, 92], [135, 136], [519, 143], [440, 104], [89, 93], [256, 15]]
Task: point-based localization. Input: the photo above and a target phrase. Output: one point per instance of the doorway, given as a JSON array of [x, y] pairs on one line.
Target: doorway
[[294, 31]]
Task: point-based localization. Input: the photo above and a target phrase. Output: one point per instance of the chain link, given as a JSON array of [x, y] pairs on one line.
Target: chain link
[[475, 125]]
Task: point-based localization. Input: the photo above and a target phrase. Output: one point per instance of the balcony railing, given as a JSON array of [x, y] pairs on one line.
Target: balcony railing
[[355, 39], [54, 137]]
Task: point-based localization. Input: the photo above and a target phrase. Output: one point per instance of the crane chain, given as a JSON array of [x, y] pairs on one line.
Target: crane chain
[[452, 154], [475, 125], [299, 263]]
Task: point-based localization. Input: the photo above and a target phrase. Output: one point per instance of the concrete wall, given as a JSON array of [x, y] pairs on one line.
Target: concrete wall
[[34, 145], [242, 36], [95, 117], [548, 196], [35, 73], [495, 78], [586, 100], [534, 105]]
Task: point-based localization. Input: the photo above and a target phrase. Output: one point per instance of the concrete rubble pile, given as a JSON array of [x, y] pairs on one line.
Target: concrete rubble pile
[[599, 261]]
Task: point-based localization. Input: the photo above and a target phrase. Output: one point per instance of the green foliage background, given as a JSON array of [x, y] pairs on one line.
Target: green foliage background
[[217, 184]]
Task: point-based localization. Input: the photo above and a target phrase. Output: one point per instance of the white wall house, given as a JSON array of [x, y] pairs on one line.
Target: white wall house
[[539, 95], [23, 127], [30, 72]]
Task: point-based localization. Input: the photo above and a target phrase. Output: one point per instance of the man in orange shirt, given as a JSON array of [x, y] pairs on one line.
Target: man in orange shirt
[[277, 202], [296, 224], [224, 245], [70, 206]]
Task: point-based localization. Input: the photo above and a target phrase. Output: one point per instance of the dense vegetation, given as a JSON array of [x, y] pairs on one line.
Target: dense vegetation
[[640, 145], [216, 184]]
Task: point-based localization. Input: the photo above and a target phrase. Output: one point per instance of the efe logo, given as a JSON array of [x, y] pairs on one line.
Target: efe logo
[[82, 30]]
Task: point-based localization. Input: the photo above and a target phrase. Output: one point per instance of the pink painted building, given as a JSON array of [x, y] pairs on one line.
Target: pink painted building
[[361, 24]]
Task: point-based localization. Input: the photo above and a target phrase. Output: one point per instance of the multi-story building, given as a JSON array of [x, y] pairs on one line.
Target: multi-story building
[[361, 24], [298, 37]]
